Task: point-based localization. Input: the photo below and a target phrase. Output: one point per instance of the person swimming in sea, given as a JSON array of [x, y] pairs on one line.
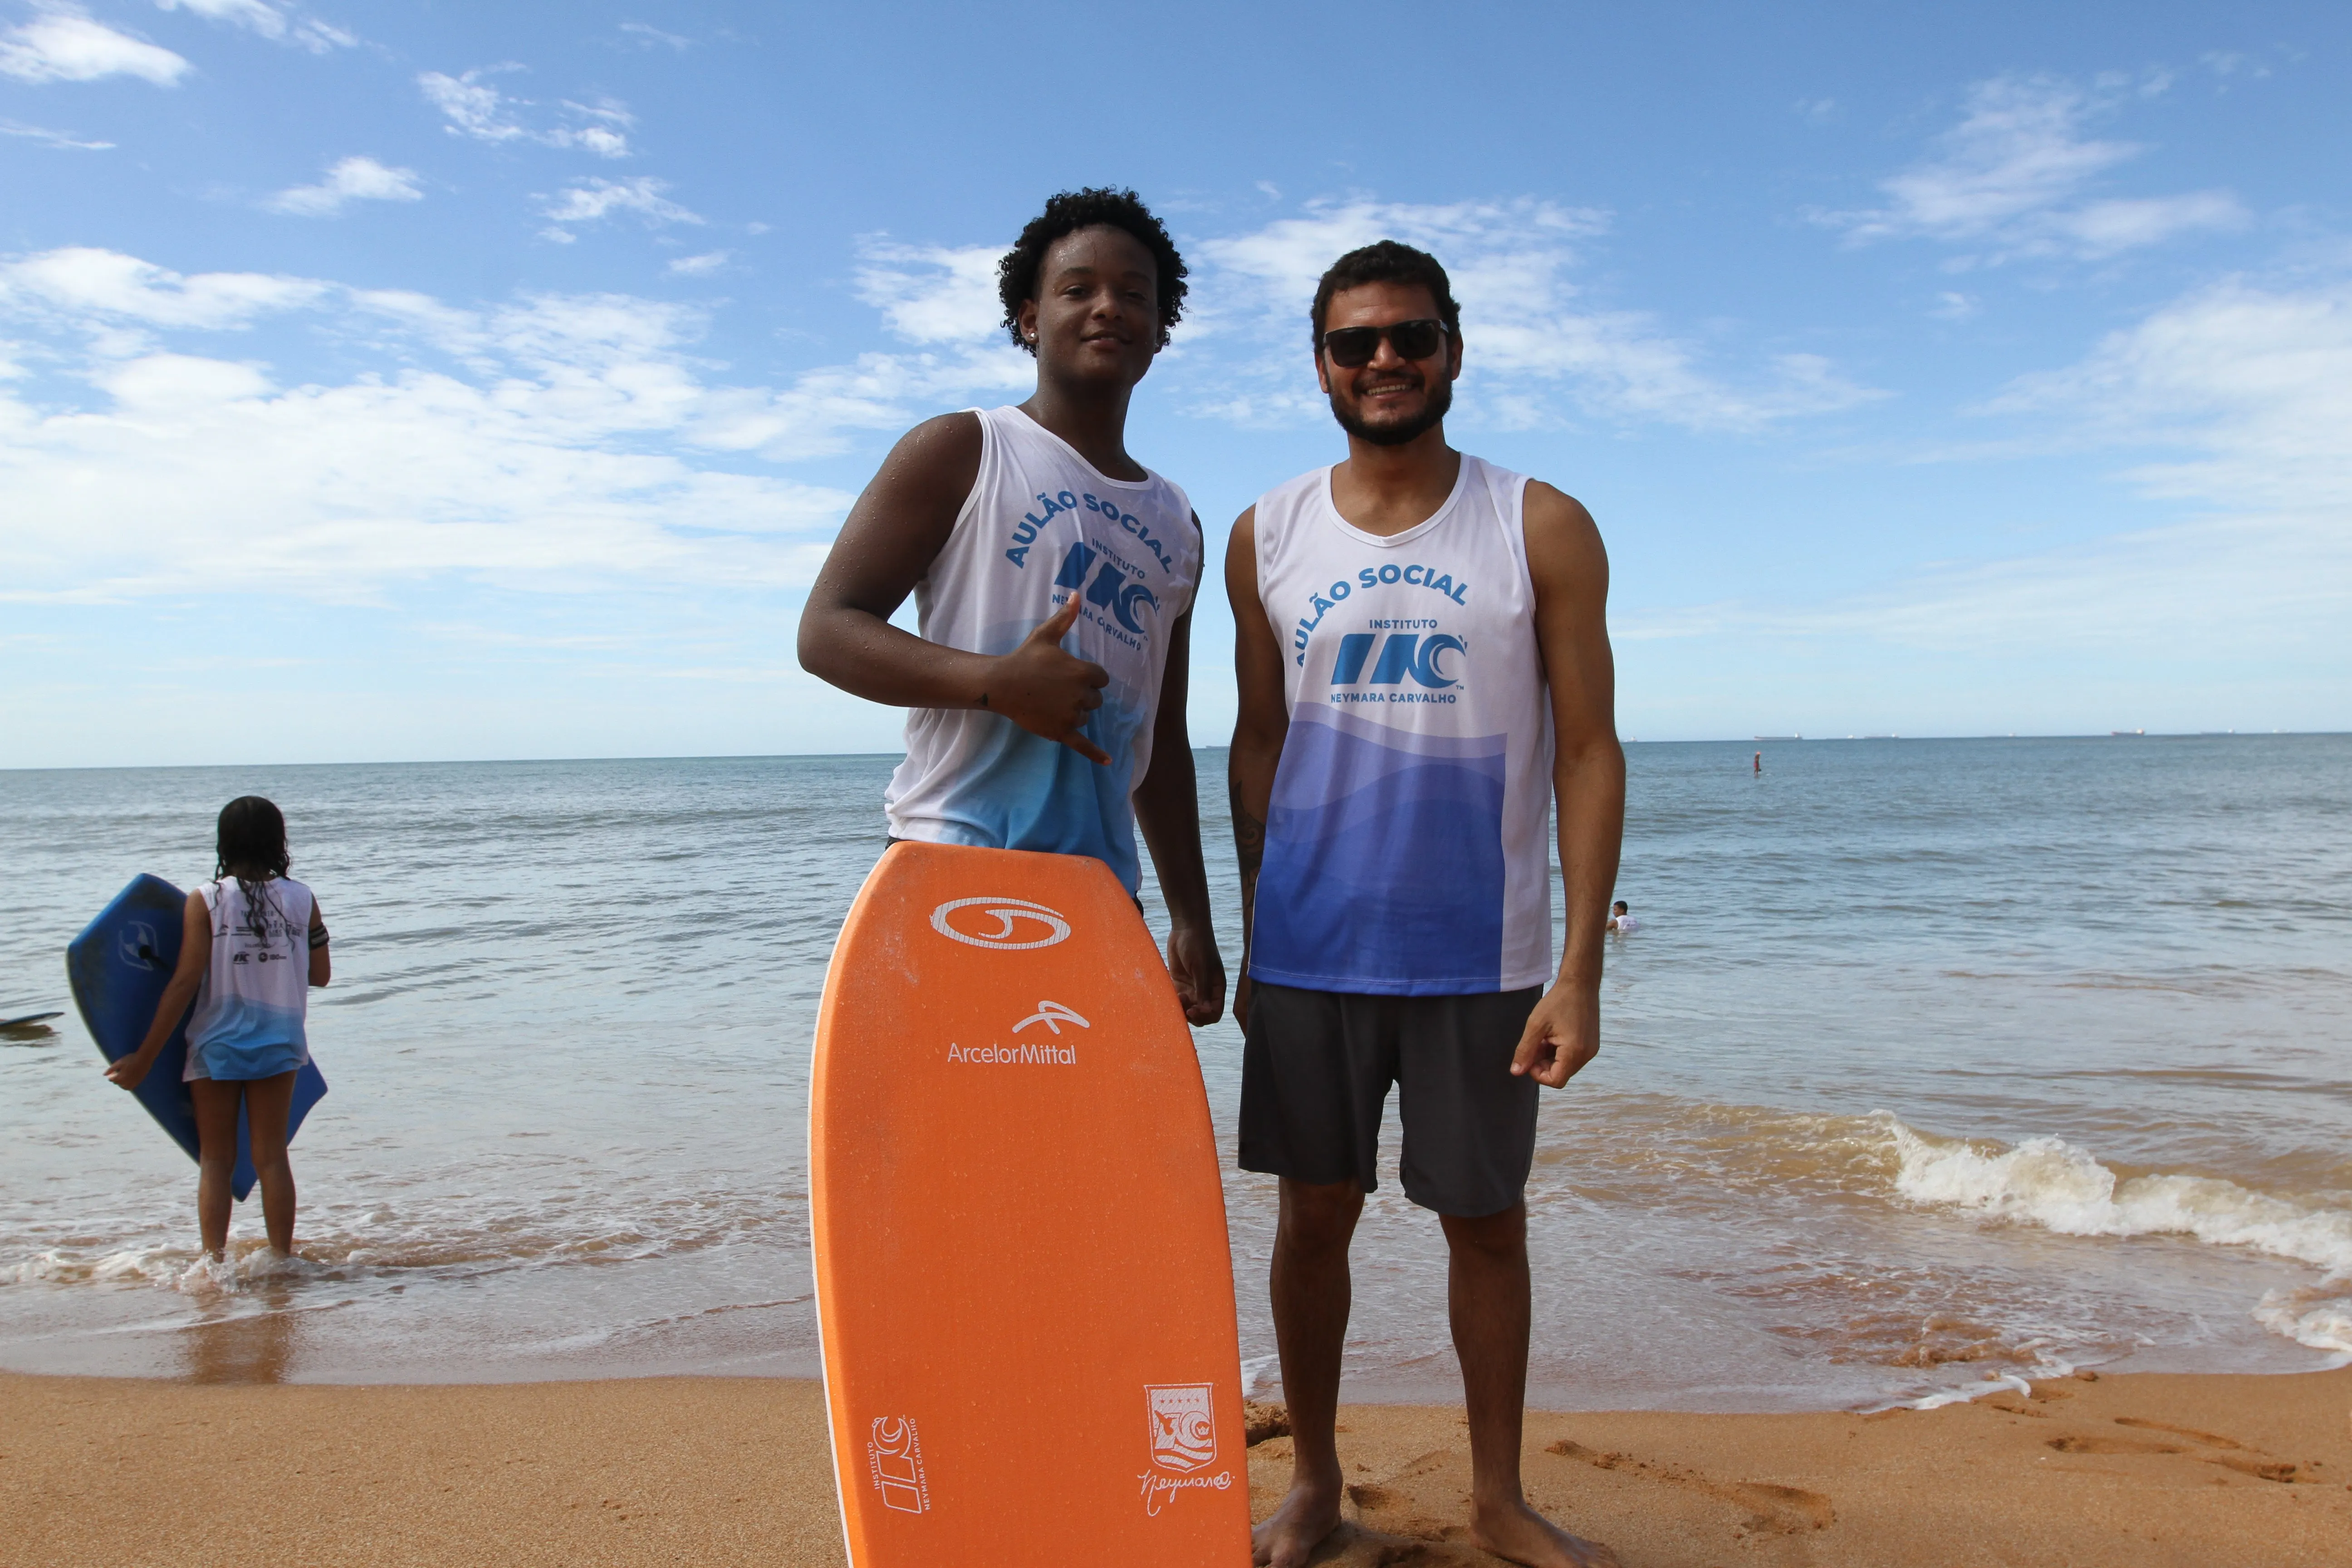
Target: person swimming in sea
[[1620, 922], [254, 944]]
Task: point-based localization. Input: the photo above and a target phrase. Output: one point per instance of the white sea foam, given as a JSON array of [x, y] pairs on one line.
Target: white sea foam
[[178, 1267], [2050, 1183], [2321, 1319], [130, 1265], [1994, 1382]]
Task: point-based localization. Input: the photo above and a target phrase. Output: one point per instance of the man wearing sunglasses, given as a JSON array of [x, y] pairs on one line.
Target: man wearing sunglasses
[[1425, 670]]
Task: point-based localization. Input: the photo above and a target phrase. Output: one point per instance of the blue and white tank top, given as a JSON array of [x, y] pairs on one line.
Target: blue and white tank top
[[1041, 524], [1406, 846], [248, 1020]]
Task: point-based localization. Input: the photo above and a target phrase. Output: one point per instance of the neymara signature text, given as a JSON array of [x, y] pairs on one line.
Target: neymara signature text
[[1157, 1488]]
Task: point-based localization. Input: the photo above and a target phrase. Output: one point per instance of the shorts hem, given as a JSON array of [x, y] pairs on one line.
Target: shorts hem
[[1463, 1211], [1264, 1165], [1354, 985]]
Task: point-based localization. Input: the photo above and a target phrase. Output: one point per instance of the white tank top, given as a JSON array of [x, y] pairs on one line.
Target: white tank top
[[1406, 848], [1040, 524], [256, 988]]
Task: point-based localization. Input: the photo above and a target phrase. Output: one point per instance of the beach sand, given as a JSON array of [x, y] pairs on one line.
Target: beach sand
[[2141, 1471]]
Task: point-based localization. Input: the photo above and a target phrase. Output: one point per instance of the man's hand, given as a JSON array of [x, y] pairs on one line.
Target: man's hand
[[1242, 1001], [1048, 691], [130, 1071], [1199, 972], [1562, 1034]]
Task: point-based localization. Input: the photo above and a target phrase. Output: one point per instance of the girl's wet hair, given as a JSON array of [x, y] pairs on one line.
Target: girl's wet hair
[[252, 835]]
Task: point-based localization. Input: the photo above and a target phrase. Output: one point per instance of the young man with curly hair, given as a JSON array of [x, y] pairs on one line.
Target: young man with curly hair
[[1423, 665], [1054, 578]]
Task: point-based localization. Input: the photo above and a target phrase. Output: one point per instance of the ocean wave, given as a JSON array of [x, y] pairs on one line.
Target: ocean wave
[[2321, 1319], [2054, 1185], [178, 1267]]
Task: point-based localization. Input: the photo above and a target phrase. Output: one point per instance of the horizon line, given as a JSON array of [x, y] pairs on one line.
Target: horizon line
[[819, 756]]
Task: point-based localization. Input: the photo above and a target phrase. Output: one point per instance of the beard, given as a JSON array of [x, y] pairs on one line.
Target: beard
[[1439, 399]]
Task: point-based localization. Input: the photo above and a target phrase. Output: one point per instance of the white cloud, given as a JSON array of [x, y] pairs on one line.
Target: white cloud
[[2242, 584], [604, 132], [648, 37], [62, 43], [57, 139], [2257, 382], [104, 287], [2014, 177], [552, 444], [2103, 229], [593, 200], [276, 22], [474, 108], [2248, 392], [702, 266], [932, 293], [355, 179], [1528, 341]]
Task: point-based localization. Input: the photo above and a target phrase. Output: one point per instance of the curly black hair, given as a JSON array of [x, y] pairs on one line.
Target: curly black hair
[[1387, 261], [1069, 212]]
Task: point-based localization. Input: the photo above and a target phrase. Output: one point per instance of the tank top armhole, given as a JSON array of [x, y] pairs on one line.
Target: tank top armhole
[[1513, 505], [990, 454], [1257, 546]]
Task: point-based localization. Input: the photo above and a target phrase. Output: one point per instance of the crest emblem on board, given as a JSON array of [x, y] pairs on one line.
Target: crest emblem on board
[[1019, 923], [1183, 1426]]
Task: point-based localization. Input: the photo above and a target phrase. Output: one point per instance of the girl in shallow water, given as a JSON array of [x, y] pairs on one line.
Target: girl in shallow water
[[253, 944]]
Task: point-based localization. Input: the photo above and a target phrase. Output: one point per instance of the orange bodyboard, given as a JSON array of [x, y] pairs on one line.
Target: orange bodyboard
[[1023, 1279]]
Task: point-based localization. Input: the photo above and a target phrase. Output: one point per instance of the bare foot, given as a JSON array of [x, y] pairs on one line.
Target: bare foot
[[1515, 1530], [1309, 1513]]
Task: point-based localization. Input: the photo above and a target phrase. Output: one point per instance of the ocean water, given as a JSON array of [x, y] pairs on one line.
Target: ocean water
[[1932, 1062]]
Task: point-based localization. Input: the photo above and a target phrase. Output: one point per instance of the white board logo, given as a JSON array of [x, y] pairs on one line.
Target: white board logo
[[1011, 934], [895, 1458], [1053, 1014], [1183, 1426], [1181, 1418], [137, 944]]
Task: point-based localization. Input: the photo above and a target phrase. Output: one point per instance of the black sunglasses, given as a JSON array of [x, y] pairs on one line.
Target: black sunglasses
[[1351, 348]]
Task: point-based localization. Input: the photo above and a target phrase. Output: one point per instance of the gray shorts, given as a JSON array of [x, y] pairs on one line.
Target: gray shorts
[[1315, 1070]]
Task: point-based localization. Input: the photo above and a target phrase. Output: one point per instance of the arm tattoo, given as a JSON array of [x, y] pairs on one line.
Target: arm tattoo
[[1249, 838]]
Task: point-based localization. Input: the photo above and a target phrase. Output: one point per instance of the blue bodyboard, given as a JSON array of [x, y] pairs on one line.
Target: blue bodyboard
[[118, 968]]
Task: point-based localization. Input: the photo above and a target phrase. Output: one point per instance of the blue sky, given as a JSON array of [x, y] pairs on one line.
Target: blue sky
[[434, 381]]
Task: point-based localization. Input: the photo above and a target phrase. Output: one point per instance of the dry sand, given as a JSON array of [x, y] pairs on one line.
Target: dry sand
[[2142, 1470]]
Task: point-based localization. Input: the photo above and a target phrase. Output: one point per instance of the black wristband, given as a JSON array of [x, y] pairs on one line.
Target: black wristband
[[317, 938]]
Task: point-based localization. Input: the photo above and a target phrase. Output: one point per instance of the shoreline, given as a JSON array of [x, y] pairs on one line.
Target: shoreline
[[2130, 1469]]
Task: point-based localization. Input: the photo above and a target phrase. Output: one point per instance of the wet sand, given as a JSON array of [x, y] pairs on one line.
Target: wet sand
[[2137, 1470]]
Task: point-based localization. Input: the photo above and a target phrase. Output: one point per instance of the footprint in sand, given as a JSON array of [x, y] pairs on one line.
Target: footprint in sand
[[1785, 1509], [2093, 1443], [2211, 1440], [2236, 1455]]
